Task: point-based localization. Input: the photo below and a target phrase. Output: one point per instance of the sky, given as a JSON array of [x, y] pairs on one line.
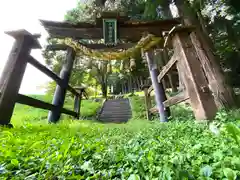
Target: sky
[[25, 14]]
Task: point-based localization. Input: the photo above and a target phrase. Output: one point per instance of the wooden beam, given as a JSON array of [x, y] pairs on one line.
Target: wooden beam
[[131, 34], [162, 24], [22, 99], [176, 99], [83, 33], [150, 89], [131, 30], [148, 103], [167, 67], [72, 90], [181, 97], [45, 70], [77, 103], [56, 47], [201, 98], [50, 74]]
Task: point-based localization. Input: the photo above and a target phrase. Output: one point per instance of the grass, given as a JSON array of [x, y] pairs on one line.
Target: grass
[[180, 149]]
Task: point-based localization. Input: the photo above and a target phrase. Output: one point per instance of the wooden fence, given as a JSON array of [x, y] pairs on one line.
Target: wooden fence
[[13, 73]]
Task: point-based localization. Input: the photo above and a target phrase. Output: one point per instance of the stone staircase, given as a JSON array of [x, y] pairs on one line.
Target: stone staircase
[[115, 111]]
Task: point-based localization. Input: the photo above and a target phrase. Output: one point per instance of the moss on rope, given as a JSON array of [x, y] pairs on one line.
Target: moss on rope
[[145, 43]]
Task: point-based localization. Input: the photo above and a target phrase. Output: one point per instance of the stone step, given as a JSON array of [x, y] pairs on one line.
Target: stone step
[[116, 100], [116, 111], [125, 101], [113, 118], [120, 120], [116, 106]]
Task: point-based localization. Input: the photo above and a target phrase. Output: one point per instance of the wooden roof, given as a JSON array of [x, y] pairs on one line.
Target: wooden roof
[[128, 30]]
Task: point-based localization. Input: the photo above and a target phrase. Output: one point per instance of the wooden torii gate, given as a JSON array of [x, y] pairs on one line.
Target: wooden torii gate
[[201, 99], [185, 57], [128, 31]]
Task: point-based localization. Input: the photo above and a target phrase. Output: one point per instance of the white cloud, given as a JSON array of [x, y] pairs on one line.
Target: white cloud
[[24, 14]]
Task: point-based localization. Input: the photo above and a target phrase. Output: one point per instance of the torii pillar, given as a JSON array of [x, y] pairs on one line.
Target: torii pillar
[[60, 92]]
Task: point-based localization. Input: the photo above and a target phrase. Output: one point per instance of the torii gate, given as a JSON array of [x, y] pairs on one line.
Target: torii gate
[[197, 90], [127, 30], [195, 83]]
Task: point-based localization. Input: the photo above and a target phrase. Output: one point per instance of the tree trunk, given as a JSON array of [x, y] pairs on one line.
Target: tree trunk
[[130, 84], [104, 86], [122, 88], [138, 83], [104, 89], [223, 94], [141, 81]]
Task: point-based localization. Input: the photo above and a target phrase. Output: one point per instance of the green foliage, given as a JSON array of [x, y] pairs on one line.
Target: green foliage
[[138, 107], [90, 108], [180, 149], [137, 150]]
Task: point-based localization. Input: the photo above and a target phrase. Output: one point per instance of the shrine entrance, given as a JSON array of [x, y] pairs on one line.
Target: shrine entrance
[[123, 38]]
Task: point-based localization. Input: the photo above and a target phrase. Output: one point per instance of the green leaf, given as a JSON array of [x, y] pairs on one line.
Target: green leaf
[[14, 162], [134, 177], [229, 173], [234, 131], [206, 171], [87, 166]]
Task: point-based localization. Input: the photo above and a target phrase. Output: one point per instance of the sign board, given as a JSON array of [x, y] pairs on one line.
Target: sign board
[[110, 31]]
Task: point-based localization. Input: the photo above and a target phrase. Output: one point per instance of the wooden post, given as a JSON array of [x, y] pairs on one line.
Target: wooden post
[[160, 65], [148, 104], [13, 72], [77, 103], [60, 92], [223, 93], [164, 97], [201, 98], [157, 89]]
